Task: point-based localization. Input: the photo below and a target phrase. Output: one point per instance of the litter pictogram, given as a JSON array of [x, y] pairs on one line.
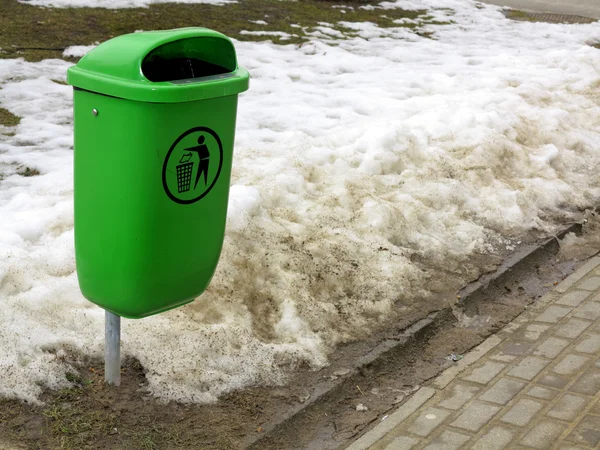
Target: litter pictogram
[[184, 173], [195, 155]]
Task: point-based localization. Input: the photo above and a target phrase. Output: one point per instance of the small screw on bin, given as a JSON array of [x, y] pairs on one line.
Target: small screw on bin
[[95, 112]]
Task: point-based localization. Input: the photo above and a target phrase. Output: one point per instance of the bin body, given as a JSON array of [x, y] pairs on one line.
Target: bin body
[[151, 192]]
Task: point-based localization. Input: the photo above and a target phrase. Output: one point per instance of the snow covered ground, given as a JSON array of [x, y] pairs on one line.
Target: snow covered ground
[[352, 156]]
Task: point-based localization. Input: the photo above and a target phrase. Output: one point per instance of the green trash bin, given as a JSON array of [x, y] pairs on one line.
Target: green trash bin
[[154, 116]]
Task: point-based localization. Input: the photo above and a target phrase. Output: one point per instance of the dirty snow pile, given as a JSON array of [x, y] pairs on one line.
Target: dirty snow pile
[[363, 167]]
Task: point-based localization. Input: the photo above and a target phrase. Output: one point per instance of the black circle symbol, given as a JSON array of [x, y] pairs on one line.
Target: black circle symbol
[[182, 162]]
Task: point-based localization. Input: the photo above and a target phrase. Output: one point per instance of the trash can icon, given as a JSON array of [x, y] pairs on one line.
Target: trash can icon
[[184, 173], [154, 120]]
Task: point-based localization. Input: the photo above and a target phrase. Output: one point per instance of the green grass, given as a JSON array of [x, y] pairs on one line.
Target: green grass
[[515, 14], [37, 33], [8, 119], [70, 423], [90, 414], [73, 426]]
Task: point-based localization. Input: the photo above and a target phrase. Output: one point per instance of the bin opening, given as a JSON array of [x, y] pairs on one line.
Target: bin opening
[[189, 59], [163, 69]]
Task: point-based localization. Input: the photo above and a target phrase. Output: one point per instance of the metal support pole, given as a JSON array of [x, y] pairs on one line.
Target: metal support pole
[[112, 349]]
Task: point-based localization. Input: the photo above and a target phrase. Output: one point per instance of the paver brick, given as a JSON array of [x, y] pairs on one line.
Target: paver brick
[[532, 331], [553, 381], [568, 407], [473, 356], [589, 311], [553, 314], [590, 344], [573, 298], [448, 440], [485, 373], [578, 275], [570, 364], [522, 412], [551, 347], [572, 329], [402, 443], [428, 420], [497, 438], [510, 349], [542, 393], [543, 434], [528, 368], [475, 416], [588, 383], [587, 432], [503, 391], [515, 348], [591, 284], [504, 357], [459, 394]]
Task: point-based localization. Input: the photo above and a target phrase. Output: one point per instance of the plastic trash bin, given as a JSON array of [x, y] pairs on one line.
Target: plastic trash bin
[[154, 118]]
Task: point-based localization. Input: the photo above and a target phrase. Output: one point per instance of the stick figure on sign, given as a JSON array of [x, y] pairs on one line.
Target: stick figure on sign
[[204, 158]]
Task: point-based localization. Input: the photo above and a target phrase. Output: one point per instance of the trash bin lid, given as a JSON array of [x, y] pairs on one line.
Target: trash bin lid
[[166, 66]]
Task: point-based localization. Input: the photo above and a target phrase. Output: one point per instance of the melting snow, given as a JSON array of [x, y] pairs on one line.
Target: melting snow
[[352, 157]]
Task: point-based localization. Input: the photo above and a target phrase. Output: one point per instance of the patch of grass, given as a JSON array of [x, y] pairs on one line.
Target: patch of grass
[[425, 34], [93, 415], [8, 119], [70, 421], [37, 33], [29, 172], [156, 437], [515, 14], [74, 425]]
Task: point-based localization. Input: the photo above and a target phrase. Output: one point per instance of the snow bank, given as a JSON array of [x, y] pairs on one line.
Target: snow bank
[[354, 159]]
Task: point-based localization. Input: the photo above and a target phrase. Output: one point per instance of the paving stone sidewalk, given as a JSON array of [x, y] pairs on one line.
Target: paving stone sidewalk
[[534, 385]]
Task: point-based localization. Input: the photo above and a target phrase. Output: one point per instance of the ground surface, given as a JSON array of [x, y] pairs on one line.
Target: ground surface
[[536, 384], [93, 415], [96, 416], [36, 33]]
